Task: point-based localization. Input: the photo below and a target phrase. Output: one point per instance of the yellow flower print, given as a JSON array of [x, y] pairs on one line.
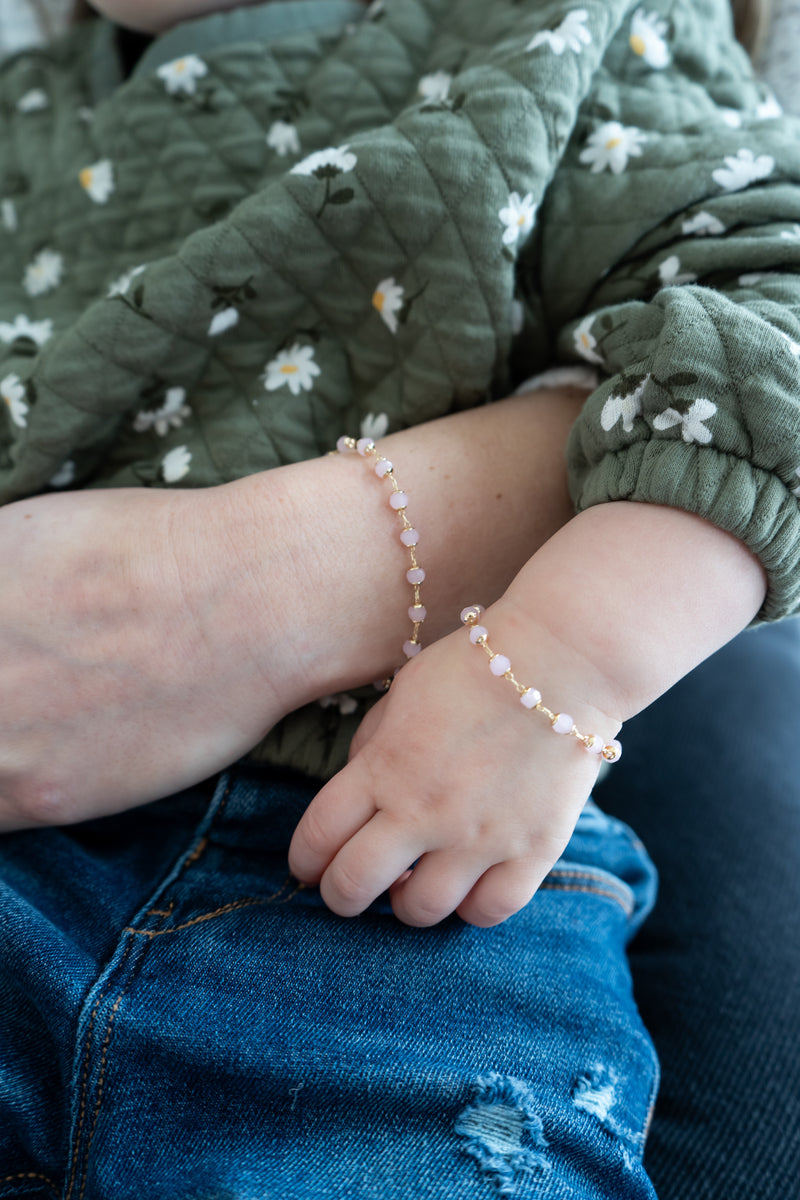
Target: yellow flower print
[[388, 299], [647, 39]]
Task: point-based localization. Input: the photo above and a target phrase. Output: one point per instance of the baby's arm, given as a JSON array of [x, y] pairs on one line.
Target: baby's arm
[[450, 772]]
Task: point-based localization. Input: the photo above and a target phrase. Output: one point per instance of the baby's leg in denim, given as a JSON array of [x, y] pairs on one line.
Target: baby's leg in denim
[[710, 780]]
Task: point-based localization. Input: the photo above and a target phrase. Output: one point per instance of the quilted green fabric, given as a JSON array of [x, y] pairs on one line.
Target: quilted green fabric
[[224, 263]]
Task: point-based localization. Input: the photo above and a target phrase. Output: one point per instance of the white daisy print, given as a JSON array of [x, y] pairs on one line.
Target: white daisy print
[[692, 424], [611, 145], [731, 116], [435, 86], [181, 75], [43, 273], [8, 215], [12, 391], [294, 368], [703, 224], [669, 272], [623, 408], [322, 163], [64, 476], [283, 138], [346, 704], [21, 327], [518, 217], [33, 101], [571, 34], [171, 415], [98, 181], [388, 300], [769, 109], [175, 464], [120, 285], [742, 169], [375, 425], [791, 235], [223, 321], [585, 342], [647, 39]]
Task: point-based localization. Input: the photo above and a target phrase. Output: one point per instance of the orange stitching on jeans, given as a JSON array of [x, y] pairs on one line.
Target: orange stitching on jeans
[[100, 1084], [29, 1175], [589, 891], [162, 912], [84, 1080], [245, 902], [562, 873], [198, 850]]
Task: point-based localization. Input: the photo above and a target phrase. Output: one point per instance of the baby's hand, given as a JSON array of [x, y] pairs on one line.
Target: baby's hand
[[456, 798]]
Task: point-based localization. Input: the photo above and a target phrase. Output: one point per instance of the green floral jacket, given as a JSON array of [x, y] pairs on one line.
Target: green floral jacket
[[223, 263]]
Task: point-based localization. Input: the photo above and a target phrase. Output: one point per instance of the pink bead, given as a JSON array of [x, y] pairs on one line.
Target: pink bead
[[383, 467], [595, 745], [398, 500], [472, 610], [530, 698], [364, 446], [415, 575], [417, 613], [563, 723], [409, 537], [477, 631], [411, 648], [344, 445], [499, 664], [612, 751]]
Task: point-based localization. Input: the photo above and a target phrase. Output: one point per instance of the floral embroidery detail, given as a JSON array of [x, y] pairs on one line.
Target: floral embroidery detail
[[435, 86], [791, 235], [624, 407], [518, 217], [33, 101], [326, 165], [669, 272], [223, 321], [731, 116], [283, 138], [703, 224], [64, 476], [169, 415], [175, 464], [611, 146], [8, 212], [388, 299], [769, 108], [742, 169], [375, 425], [585, 342], [571, 34], [181, 75], [44, 273], [691, 422], [121, 284], [647, 39], [12, 390], [346, 704], [294, 368], [98, 181], [22, 328]]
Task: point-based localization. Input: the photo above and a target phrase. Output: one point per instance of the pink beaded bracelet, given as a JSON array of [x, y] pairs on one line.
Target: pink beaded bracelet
[[408, 535], [530, 697]]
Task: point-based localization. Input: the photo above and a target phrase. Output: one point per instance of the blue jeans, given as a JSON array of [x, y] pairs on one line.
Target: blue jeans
[[178, 1019]]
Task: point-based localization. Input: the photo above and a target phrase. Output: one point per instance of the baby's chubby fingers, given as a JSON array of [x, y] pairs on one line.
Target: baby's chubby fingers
[[368, 864], [436, 887], [502, 891], [334, 816]]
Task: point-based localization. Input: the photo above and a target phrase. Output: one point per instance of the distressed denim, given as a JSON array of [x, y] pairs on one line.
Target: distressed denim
[[179, 1020]]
